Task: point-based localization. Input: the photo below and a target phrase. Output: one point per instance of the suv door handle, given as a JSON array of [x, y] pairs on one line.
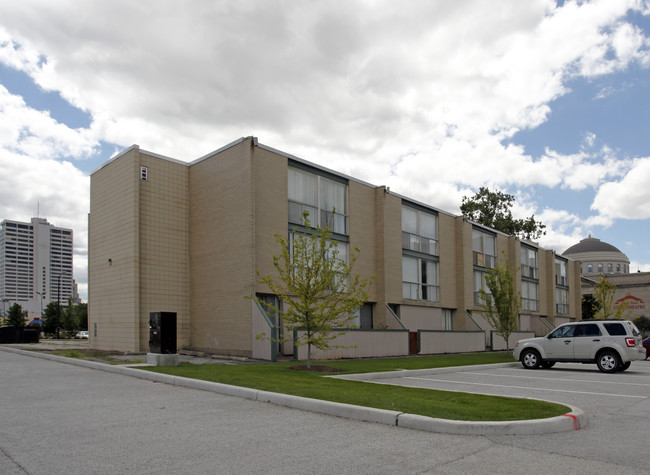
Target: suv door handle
[[597, 339], [566, 342]]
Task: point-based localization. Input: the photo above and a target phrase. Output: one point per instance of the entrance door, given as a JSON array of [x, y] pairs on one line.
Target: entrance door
[[413, 343]]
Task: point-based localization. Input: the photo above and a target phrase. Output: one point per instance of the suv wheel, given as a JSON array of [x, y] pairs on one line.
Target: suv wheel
[[530, 359], [607, 361]]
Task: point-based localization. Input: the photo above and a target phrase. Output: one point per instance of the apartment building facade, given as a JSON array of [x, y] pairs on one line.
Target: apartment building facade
[[189, 238], [35, 264]]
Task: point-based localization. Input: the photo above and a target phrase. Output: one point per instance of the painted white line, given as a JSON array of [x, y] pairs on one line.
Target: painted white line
[[525, 387], [617, 383]]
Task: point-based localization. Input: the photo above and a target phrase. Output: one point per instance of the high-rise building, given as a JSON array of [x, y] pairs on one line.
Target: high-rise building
[[35, 264]]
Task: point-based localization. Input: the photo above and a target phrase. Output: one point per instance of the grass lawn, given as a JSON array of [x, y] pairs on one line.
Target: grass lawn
[[278, 377]]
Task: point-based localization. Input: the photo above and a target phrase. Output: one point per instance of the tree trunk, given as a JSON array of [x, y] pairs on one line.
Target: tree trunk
[[308, 355]]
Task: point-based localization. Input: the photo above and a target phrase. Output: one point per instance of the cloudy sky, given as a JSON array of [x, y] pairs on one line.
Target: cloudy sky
[[546, 100]]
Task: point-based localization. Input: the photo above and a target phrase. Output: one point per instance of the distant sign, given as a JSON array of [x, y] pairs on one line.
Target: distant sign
[[633, 303]]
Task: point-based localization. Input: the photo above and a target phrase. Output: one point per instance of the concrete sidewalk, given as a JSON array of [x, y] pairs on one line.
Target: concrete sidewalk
[[573, 420]]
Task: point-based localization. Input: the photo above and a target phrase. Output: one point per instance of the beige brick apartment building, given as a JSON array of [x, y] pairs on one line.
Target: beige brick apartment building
[[169, 236]]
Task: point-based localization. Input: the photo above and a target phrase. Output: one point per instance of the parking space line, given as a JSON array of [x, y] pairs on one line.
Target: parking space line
[[618, 383], [524, 387]]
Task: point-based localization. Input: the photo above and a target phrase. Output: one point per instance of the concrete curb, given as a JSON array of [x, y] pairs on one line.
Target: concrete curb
[[418, 372], [574, 420]]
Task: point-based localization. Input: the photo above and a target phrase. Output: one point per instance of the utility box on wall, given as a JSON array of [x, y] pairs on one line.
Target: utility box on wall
[[162, 332]]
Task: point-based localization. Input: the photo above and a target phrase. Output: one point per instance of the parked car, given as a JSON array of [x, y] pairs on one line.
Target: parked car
[[646, 344], [81, 334], [610, 344]]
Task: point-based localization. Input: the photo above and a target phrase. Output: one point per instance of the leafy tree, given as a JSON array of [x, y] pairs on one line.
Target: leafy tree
[[589, 307], [492, 209], [15, 316], [68, 318], [501, 303], [316, 286], [81, 315], [51, 317], [604, 292], [642, 323]]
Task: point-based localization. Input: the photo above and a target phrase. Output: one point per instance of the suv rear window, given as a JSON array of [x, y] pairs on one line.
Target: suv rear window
[[615, 329]]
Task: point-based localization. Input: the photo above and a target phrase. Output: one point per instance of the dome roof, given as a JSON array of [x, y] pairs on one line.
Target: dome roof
[[591, 245]]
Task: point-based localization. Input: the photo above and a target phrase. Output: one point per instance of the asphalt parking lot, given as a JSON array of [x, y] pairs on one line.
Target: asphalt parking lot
[[617, 406], [579, 385], [65, 418]]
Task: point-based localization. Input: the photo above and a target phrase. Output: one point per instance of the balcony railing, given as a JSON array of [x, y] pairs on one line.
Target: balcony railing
[[427, 292], [529, 304], [528, 271], [413, 242]]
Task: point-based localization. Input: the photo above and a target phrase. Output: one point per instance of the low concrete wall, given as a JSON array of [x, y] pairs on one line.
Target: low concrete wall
[[499, 344], [361, 344], [434, 342]]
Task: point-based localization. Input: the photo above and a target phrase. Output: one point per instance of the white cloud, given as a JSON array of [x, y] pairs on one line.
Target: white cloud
[[420, 97], [627, 198], [34, 181]]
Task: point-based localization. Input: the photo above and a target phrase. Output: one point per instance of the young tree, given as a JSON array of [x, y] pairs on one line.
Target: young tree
[[501, 303], [15, 316], [604, 292], [316, 286], [493, 209]]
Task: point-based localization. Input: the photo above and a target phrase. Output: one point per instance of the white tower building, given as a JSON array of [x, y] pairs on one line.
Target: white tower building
[[35, 265]]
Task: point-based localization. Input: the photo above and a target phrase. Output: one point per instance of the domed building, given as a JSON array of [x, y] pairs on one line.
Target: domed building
[[598, 257]]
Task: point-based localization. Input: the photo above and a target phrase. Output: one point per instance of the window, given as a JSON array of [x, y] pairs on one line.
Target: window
[[339, 248], [419, 231], [588, 329], [528, 262], [484, 247], [419, 279], [590, 268], [610, 268], [363, 317], [600, 268], [560, 272], [561, 301], [324, 200], [615, 329], [618, 268], [144, 174], [447, 319], [479, 284], [529, 296], [564, 331]]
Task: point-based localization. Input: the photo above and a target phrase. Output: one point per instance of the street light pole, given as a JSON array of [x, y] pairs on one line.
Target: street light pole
[[58, 308], [39, 293]]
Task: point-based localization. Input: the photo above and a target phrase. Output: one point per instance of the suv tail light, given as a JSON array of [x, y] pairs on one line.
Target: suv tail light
[[630, 342]]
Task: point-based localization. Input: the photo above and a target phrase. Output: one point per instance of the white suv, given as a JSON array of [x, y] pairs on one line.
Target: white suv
[[611, 344]]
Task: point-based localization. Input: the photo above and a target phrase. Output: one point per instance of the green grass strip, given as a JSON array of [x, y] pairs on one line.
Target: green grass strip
[[278, 377]]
